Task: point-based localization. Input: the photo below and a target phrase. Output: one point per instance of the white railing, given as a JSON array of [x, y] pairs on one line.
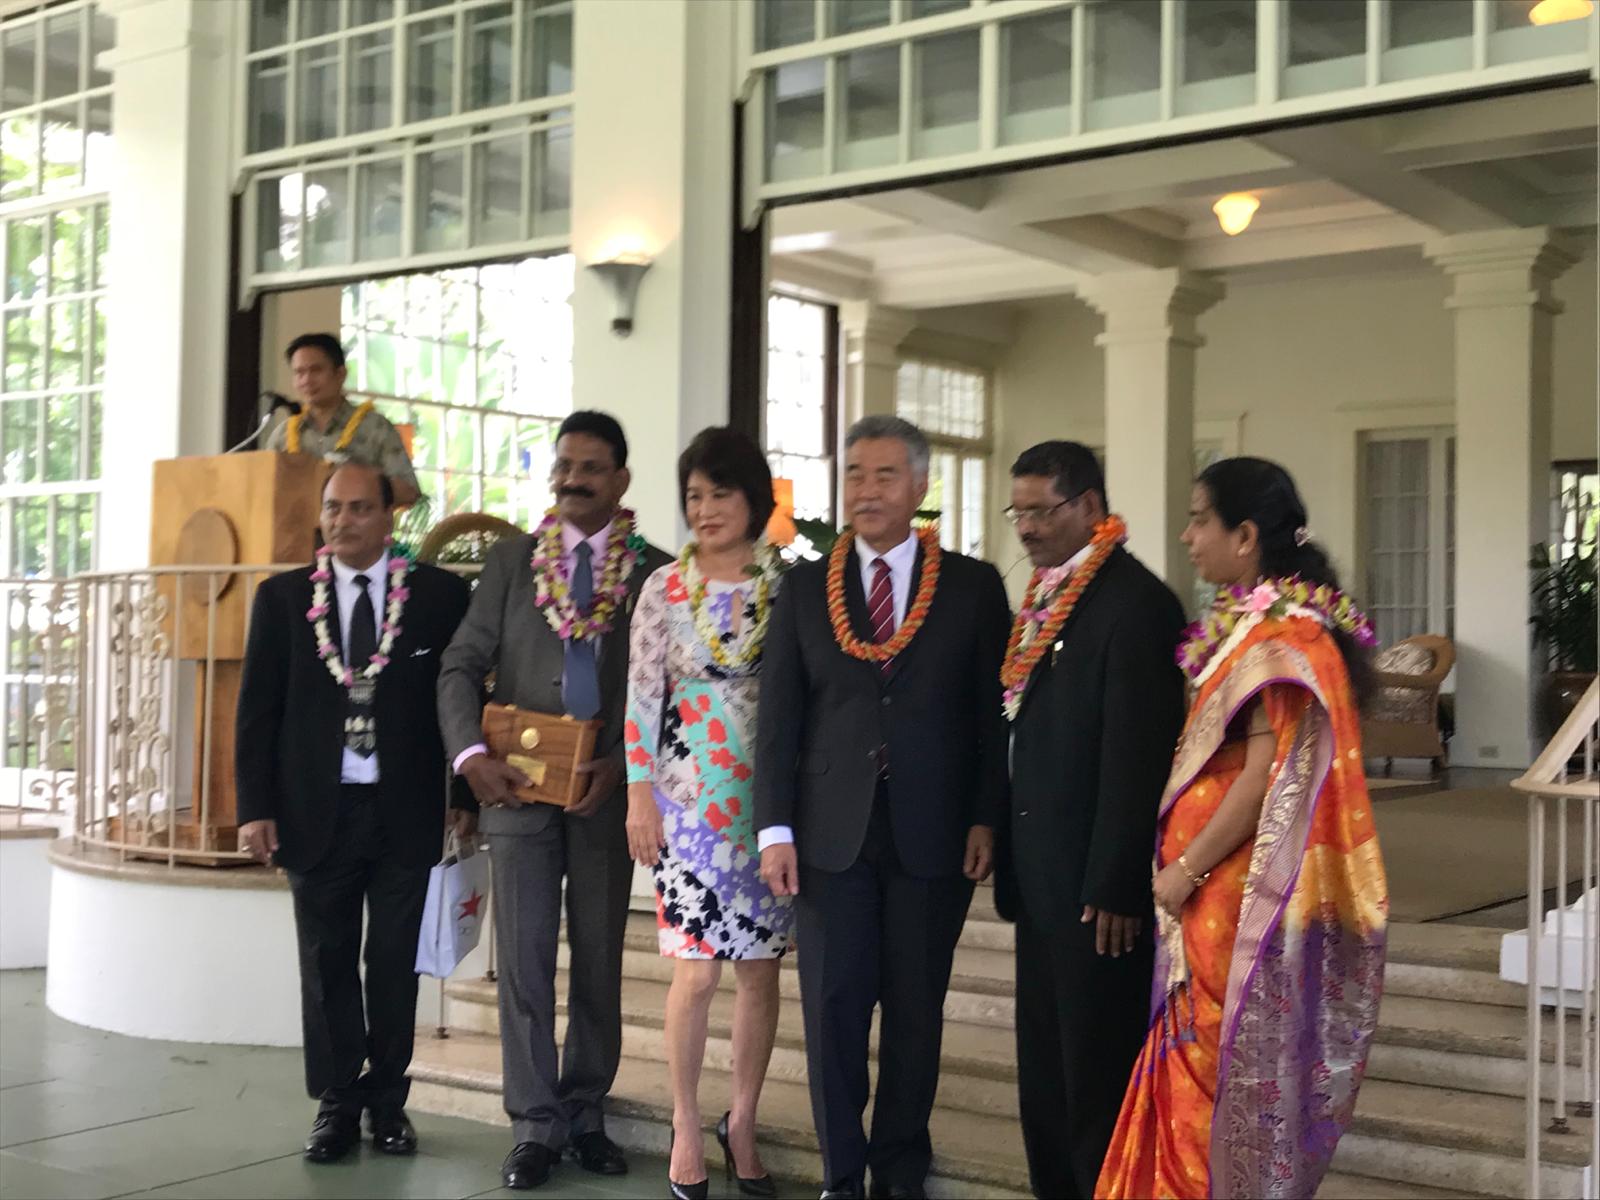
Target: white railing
[[39, 667], [1563, 964]]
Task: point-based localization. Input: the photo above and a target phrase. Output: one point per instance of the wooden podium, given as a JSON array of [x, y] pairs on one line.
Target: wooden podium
[[223, 510]]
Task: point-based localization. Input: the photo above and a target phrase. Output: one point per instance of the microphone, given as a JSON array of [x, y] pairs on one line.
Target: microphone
[[267, 411]]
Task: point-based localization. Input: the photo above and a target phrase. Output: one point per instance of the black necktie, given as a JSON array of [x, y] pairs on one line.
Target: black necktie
[[360, 733]]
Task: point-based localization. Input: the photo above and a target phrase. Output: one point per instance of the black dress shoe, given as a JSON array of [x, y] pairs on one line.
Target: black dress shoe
[[894, 1191], [332, 1136], [597, 1153], [527, 1166], [392, 1132], [849, 1190]]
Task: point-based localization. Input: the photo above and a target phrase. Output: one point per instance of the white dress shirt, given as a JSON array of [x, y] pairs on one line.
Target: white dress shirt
[[354, 768], [902, 561]]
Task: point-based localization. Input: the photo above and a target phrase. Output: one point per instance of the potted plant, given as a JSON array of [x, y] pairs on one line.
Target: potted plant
[[1563, 621]]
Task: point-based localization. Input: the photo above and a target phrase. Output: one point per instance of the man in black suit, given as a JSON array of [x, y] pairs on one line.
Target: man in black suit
[[1091, 747], [556, 1105], [343, 786], [877, 788]]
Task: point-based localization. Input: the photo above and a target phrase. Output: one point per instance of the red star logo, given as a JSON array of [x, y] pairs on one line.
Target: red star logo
[[469, 906]]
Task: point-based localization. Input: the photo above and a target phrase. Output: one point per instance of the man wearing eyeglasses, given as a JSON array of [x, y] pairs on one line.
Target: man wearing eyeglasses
[[1094, 722]]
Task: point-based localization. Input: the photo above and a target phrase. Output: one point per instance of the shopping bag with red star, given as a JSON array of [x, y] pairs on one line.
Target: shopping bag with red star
[[452, 917]]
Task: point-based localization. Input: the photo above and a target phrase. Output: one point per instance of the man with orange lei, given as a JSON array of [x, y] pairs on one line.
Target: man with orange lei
[[880, 773], [1095, 704]]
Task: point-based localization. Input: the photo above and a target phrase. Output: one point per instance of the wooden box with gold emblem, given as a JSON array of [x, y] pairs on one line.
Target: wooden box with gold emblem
[[545, 748]]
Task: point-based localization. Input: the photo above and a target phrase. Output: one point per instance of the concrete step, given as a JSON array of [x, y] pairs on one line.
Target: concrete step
[[1470, 947], [1338, 1186], [974, 1155], [1444, 1138]]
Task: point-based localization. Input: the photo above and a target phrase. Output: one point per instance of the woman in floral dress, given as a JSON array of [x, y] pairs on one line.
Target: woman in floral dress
[[693, 681]]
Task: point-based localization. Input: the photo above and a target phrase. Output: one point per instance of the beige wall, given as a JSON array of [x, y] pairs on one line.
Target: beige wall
[[284, 317], [1297, 369]]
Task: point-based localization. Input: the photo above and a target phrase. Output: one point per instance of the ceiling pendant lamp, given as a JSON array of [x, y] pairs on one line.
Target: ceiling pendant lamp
[[1234, 212], [1553, 12]]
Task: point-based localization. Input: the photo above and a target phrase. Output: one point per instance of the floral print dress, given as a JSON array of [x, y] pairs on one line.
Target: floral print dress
[[690, 733]]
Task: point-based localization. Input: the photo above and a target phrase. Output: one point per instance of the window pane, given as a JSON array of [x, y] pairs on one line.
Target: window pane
[[269, 23], [497, 190], [432, 69], [1218, 63], [547, 54], [489, 56], [328, 217], [317, 100], [269, 98], [102, 37], [19, 439], [69, 266], [381, 203], [947, 94], [972, 506], [278, 204], [552, 149], [795, 119], [63, 55], [1426, 37], [1124, 63], [929, 8], [316, 17], [365, 12], [852, 16], [785, 23], [63, 434], [440, 176], [1036, 75], [1327, 46], [371, 81], [61, 168], [97, 343], [97, 146], [19, 47], [871, 81], [25, 261], [19, 157]]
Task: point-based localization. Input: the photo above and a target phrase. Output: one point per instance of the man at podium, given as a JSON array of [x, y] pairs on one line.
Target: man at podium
[[331, 427]]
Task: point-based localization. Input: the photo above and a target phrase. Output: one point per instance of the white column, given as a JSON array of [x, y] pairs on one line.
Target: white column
[[172, 108], [1504, 313], [652, 172], [1150, 341], [872, 336]]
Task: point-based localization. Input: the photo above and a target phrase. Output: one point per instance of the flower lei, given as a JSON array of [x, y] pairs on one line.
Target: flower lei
[[747, 648], [1239, 609], [321, 607], [291, 437], [879, 652], [553, 590], [1037, 624]]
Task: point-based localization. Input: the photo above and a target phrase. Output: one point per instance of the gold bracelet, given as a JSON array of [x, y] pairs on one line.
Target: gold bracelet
[[1183, 865]]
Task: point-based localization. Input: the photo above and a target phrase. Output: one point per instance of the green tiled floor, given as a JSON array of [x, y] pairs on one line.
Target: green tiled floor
[[86, 1114]]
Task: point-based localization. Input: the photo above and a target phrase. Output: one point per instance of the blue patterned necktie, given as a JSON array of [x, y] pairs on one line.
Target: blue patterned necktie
[[580, 677]]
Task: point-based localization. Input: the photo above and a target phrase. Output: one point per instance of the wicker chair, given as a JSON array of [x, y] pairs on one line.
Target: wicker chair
[[1403, 721]]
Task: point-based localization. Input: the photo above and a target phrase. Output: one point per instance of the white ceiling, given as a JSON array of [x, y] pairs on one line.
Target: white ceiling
[[1356, 196]]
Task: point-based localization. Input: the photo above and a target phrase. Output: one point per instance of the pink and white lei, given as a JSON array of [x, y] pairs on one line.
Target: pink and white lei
[[1237, 610], [322, 607]]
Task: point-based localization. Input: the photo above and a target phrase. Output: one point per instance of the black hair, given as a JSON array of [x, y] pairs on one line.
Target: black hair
[[601, 425], [1072, 467], [325, 342], [729, 458], [1262, 492], [385, 484]]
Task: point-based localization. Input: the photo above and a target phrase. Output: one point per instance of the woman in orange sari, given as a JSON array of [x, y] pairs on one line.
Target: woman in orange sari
[[1270, 894]]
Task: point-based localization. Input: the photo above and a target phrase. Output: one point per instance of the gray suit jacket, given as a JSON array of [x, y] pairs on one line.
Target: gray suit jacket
[[505, 633]]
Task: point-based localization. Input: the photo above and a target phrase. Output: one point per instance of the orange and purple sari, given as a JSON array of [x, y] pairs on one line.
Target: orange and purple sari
[[1267, 989]]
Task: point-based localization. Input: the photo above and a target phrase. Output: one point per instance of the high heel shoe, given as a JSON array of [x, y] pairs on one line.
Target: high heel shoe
[[760, 1186], [684, 1191]]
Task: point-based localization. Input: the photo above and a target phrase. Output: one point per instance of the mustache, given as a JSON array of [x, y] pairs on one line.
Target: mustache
[[581, 492]]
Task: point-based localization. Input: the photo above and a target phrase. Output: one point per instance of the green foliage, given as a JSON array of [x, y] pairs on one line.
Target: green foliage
[[1564, 611]]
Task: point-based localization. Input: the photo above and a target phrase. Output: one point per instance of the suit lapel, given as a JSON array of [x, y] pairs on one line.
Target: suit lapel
[[1047, 662]]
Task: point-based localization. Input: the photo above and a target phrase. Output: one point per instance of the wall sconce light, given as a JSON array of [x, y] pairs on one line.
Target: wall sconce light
[[1553, 12], [1235, 211], [622, 275]]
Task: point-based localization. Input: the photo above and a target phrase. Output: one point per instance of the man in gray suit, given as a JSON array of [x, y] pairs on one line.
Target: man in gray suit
[[509, 634]]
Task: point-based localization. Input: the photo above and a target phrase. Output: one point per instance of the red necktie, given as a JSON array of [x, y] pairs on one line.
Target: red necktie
[[880, 605]]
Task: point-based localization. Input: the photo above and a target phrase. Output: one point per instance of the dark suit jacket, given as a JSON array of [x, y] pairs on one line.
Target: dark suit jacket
[[290, 724], [1092, 747], [507, 634], [824, 716]]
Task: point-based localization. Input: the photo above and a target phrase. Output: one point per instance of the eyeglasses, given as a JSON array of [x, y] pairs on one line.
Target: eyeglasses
[[1034, 515]]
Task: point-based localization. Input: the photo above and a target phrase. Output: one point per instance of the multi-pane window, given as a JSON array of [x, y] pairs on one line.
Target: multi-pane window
[[1574, 508], [55, 103], [1407, 485], [950, 404], [478, 362], [802, 338]]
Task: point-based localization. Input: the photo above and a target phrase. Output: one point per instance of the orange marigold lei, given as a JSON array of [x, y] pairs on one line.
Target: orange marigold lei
[[878, 652], [1021, 659]]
